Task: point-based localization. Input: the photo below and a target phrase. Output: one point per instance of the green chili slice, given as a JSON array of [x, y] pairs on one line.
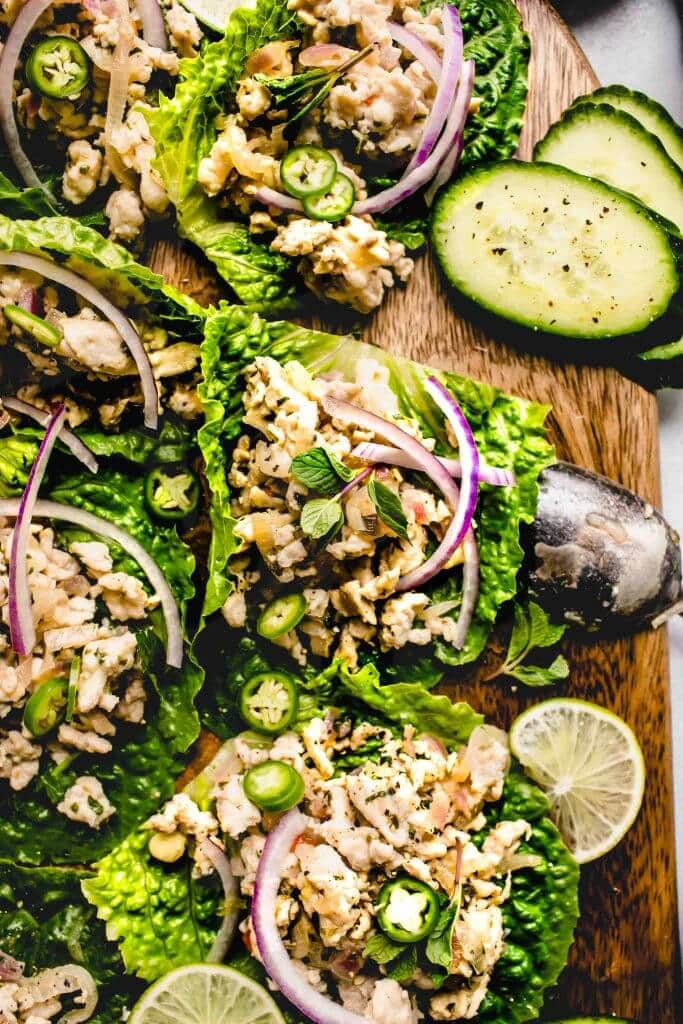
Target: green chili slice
[[58, 67], [407, 909], [334, 204], [281, 615], [274, 786], [40, 330], [269, 701], [72, 692], [307, 171], [45, 707], [171, 494]]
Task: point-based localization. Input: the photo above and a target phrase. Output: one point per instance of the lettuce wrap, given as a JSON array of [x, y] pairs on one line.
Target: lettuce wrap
[[186, 125]]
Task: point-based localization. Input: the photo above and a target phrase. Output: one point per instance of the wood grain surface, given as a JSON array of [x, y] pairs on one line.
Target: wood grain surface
[[626, 958]]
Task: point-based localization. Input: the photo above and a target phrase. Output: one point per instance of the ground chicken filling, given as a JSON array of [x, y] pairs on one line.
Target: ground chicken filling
[[42, 998], [410, 811], [86, 344], [77, 125], [85, 613], [349, 583], [371, 121]]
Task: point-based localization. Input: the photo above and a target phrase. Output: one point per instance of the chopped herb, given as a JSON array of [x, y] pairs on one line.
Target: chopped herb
[[388, 507]]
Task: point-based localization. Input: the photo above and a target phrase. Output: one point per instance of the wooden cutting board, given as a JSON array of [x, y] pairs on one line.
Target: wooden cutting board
[[626, 956]]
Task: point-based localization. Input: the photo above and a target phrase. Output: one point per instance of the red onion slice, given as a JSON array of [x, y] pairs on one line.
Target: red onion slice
[[383, 454], [73, 443], [67, 278], [9, 507], [153, 24], [217, 856], [460, 111], [11, 51], [467, 498], [270, 197], [445, 93], [10, 969], [21, 626], [276, 960], [417, 47], [117, 98], [420, 176], [470, 589]]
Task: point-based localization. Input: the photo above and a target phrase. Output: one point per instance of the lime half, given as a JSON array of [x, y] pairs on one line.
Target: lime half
[[205, 994], [591, 767], [215, 13]]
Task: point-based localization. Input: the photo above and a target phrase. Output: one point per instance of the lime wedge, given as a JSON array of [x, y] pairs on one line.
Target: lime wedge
[[205, 994], [591, 767], [215, 13]]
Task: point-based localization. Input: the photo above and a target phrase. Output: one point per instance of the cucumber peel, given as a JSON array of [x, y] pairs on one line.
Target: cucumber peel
[[652, 115]]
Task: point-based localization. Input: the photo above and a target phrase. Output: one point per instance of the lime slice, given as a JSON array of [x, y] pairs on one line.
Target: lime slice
[[205, 994], [215, 13], [590, 765]]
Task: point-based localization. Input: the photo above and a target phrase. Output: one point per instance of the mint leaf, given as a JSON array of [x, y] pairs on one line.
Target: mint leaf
[[381, 949], [321, 517], [520, 640], [389, 508], [320, 470], [406, 965], [542, 632], [536, 675]]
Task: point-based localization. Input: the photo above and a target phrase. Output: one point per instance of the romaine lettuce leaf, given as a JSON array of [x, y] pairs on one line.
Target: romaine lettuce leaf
[[139, 773], [509, 432], [184, 129], [23, 202]]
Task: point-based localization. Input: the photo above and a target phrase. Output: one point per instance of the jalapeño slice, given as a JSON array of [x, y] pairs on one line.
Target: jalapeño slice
[[268, 702], [171, 493], [40, 330], [407, 909], [333, 205], [281, 615], [58, 67], [45, 707], [274, 786], [307, 171]]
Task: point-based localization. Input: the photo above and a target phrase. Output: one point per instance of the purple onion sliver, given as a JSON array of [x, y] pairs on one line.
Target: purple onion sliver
[[66, 436], [214, 853], [281, 201], [381, 453], [418, 48], [470, 589], [461, 110], [153, 24]]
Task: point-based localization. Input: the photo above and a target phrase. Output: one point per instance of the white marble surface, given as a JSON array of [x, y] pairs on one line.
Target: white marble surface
[[639, 43]]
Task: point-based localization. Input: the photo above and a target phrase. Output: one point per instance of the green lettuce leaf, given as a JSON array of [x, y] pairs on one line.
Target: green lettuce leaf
[[45, 922], [509, 431], [107, 265], [23, 202], [139, 773], [184, 129]]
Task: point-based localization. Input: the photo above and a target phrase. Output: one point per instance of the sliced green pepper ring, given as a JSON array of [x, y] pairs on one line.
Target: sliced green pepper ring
[[58, 67], [281, 615], [45, 707], [40, 330], [72, 692], [333, 205], [171, 493], [307, 171], [269, 702], [274, 786], [407, 909]]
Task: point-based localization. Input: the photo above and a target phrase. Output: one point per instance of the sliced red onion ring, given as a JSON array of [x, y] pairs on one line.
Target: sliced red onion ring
[[153, 24], [67, 278], [470, 589], [221, 943], [276, 960], [73, 443], [325, 55], [9, 507], [21, 28], [420, 176], [117, 98], [21, 626], [466, 501], [417, 47], [382, 453], [270, 197], [446, 89], [452, 159]]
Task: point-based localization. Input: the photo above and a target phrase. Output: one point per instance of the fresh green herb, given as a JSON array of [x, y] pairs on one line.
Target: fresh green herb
[[320, 470], [388, 507], [403, 969], [322, 517], [532, 629], [382, 950], [308, 90]]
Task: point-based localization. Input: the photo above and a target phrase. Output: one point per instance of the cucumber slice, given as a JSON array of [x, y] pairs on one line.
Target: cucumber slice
[[611, 145], [554, 251], [652, 115]]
